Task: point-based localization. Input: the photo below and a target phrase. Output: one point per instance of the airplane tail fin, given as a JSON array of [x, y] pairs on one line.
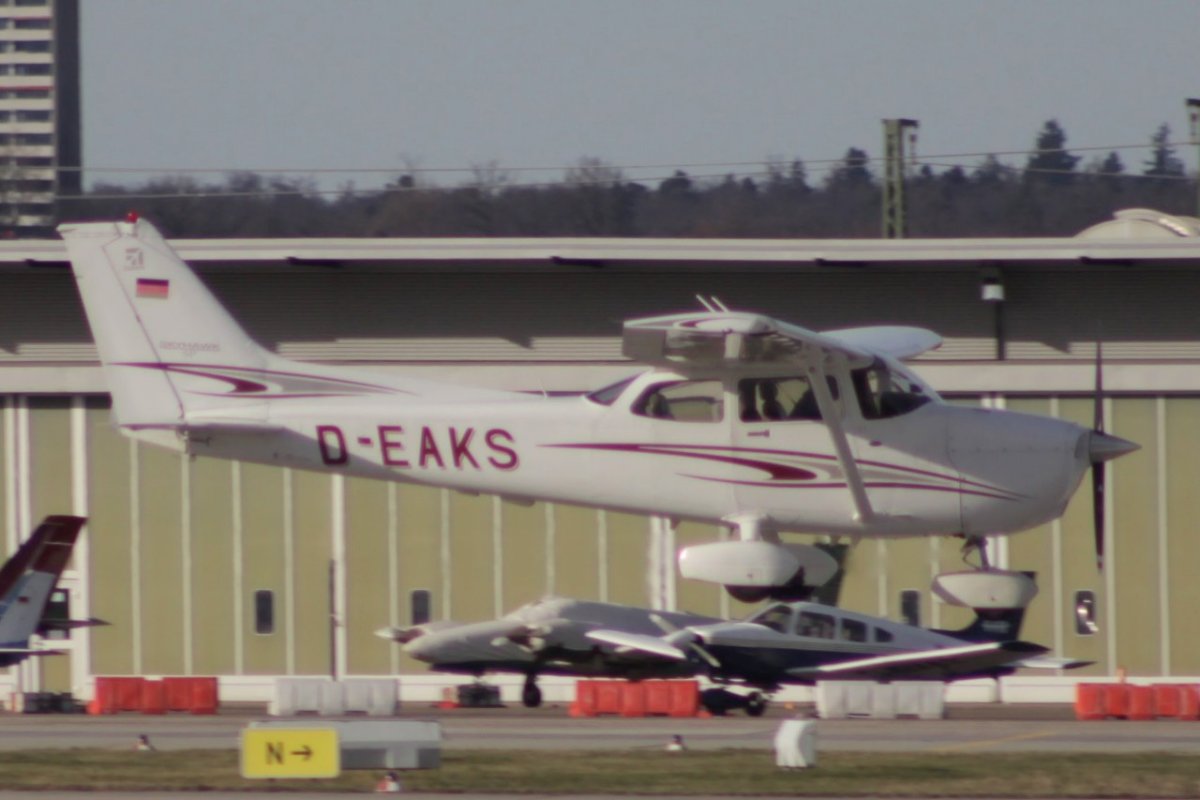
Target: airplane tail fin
[[28, 578], [157, 327]]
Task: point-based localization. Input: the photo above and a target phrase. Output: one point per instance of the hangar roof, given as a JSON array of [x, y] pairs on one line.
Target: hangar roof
[[1134, 236]]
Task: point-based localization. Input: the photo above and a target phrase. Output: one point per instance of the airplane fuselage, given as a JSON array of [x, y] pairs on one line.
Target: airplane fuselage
[[938, 469]]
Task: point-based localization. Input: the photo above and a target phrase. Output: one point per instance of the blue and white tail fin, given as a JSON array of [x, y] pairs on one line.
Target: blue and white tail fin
[[156, 325], [27, 580]]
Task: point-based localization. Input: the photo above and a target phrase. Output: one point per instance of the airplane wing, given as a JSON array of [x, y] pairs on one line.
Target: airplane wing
[[1050, 662], [48, 624], [28, 651], [945, 663], [629, 643], [714, 338]]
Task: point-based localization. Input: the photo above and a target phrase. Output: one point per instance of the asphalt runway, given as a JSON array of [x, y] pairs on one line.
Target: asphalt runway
[[982, 729]]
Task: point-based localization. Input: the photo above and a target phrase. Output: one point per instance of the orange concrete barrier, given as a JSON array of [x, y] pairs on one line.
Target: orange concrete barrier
[[1089, 701], [205, 695], [685, 698], [1116, 700], [608, 697], [178, 693], [658, 697], [116, 693], [585, 699], [154, 697], [1189, 701], [633, 699], [1167, 697], [1140, 703]]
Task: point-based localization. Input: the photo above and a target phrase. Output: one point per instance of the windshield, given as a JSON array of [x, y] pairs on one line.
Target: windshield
[[884, 392], [608, 394]]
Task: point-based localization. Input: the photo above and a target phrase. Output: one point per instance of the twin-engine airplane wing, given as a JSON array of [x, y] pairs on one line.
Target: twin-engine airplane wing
[[735, 338], [943, 663]]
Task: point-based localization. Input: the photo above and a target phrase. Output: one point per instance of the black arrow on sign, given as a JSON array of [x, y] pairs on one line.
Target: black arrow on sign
[[306, 752]]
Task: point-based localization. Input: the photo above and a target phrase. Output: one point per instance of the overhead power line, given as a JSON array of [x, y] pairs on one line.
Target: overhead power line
[[499, 167]]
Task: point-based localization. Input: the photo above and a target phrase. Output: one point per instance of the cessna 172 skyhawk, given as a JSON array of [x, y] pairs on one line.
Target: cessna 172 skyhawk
[[743, 420]]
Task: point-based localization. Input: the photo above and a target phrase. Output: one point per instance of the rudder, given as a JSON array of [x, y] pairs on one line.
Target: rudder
[[155, 324]]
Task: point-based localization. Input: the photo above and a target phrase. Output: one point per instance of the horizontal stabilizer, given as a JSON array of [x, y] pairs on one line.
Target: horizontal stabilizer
[[28, 651], [45, 625]]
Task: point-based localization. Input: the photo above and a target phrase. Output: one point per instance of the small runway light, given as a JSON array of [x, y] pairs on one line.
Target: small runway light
[[132, 217]]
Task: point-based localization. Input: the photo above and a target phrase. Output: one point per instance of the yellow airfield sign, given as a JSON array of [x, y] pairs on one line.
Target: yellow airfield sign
[[290, 753]]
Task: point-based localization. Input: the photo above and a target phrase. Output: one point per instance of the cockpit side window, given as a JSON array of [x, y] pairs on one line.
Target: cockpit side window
[[772, 399], [884, 393], [820, 626], [777, 618], [853, 631], [683, 401]]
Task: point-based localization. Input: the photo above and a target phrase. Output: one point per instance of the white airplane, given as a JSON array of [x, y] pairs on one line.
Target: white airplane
[[27, 580], [742, 420], [785, 643]]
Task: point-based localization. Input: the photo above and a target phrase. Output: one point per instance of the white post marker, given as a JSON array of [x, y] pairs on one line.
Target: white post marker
[[796, 744], [290, 753]]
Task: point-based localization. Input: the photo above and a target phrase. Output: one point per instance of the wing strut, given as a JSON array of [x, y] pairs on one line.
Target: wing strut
[[814, 365]]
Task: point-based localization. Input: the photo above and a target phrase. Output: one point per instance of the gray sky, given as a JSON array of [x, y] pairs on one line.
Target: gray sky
[[309, 84]]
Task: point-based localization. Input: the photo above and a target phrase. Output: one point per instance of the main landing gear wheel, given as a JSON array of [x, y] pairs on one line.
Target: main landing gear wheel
[[756, 705], [531, 695]]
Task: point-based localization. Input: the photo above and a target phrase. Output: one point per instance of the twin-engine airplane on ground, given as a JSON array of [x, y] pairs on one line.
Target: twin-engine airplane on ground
[[742, 420], [27, 580], [784, 643]]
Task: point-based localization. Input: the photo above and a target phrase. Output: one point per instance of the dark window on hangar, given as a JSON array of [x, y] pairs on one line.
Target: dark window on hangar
[[421, 603], [58, 609], [1085, 613], [264, 611], [910, 606]]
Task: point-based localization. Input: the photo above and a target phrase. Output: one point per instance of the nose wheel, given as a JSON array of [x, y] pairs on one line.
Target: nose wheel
[[531, 695]]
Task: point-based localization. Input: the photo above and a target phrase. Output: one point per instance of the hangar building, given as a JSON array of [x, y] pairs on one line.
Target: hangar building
[[210, 567]]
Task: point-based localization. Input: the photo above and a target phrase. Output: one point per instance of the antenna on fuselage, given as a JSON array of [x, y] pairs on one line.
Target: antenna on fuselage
[[712, 303]]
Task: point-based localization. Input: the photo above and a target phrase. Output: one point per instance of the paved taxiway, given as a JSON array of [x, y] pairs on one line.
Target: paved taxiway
[[981, 729]]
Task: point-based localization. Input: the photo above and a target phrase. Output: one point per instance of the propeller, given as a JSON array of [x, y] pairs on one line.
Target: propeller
[[1102, 448], [682, 636]]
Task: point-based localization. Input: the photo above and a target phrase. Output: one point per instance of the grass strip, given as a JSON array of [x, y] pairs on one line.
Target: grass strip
[[720, 772]]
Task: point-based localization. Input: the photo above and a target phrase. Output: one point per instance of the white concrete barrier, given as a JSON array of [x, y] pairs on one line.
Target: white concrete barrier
[[373, 696]]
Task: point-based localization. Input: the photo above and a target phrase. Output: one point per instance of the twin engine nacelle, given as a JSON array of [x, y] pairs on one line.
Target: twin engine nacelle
[[756, 570]]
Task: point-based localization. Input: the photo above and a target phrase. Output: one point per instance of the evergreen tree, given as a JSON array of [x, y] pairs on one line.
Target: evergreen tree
[[1162, 162], [1050, 162], [852, 172]]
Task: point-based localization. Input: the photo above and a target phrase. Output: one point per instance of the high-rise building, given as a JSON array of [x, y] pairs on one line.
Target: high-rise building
[[40, 147]]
